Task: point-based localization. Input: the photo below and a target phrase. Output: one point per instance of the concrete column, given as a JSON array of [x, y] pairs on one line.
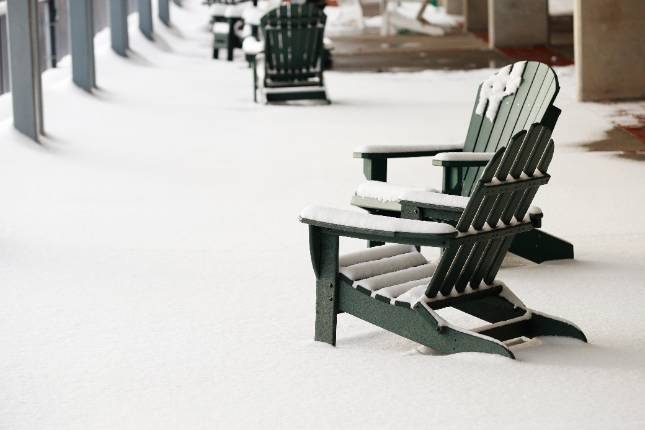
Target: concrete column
[[119, 26], [475, 15], [164, 11], [26, 87], [81, 30], [610, 49], [145, 17], [516, 23], [454, 7]]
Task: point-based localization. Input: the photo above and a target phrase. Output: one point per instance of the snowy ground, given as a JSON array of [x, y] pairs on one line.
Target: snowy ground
[[154, 274]]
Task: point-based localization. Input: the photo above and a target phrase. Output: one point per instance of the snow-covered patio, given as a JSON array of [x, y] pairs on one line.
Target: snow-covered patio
[[154, 273]]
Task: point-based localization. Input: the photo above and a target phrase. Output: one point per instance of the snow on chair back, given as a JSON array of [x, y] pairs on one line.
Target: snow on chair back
[[495, 213], [515, 97], [294, 42]]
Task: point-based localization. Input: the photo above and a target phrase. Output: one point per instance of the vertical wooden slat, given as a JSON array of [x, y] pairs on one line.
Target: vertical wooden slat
[[471, 264], [456, 267], [474, 125], [501, 133], [540, 76], [439, 275]]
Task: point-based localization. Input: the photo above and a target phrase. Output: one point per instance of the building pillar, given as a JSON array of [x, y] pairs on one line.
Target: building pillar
[[81, 30], [145, 18], [164, 11], [475, 15], [610, 49], [517, 23], [119, 26], [26, 87], [454, 7]]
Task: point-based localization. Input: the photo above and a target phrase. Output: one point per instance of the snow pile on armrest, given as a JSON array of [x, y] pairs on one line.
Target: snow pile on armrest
[[384, 191], [433, 198], [348, 218], [464, 156], [385, 149], [252, 46], [495, 88], [220, 28]]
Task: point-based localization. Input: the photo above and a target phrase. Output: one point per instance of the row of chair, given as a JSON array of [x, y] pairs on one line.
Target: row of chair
[[284, 45], [483, 211]]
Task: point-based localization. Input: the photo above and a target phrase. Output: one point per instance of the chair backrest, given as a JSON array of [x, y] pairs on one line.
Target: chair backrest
[[495, 213], [293, 36], [517, 96]]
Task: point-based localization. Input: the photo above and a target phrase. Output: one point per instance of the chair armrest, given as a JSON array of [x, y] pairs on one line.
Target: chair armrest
[[341, 222], [462, 159], [328, 44], [252, 46], [381, 152]]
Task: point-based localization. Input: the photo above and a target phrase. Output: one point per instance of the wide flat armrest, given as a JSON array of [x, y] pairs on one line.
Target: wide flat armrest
[[462, 159], [404, 151], [359, 225]]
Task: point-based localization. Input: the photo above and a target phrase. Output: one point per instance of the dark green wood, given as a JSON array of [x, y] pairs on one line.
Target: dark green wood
[[324, 256], [539, 246], [471, 255], [375, 169], [293, 36], [416, 324]]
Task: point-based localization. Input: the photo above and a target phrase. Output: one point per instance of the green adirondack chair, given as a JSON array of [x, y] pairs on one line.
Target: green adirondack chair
[[394, 287], [530, 101], [290, 65]]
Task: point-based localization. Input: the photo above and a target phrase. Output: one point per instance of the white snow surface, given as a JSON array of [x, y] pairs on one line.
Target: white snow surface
[[389, 148], [385, 191], [497, 86], [436, 198], [362, 220], [154, 275]]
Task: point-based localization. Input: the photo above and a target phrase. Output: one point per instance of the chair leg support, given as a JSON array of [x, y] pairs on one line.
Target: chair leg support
[[539, 246], [449, 339], [324, 256], [546, 325]]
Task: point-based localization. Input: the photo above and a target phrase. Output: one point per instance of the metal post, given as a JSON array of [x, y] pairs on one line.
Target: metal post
[[145, 18], [26, 87], [81, 30], [164, 11], [52, 14], [119, 26]]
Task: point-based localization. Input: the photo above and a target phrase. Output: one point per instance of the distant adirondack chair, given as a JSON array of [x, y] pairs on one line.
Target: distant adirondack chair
[[227, 25], [290, 65], [396, 288], [490, 128]]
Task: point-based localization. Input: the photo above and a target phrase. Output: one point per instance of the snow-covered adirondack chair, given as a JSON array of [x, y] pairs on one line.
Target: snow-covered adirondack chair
[[287, 64], [227, 25], [510, 101], [395, 287]]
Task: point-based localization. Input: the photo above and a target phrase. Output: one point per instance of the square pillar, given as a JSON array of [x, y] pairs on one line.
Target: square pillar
[[164, 11], [454, 7], [81, 30], [145, 18], [119, 26], [475, 15], [26, 86], [610, 49], [518, 23]]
